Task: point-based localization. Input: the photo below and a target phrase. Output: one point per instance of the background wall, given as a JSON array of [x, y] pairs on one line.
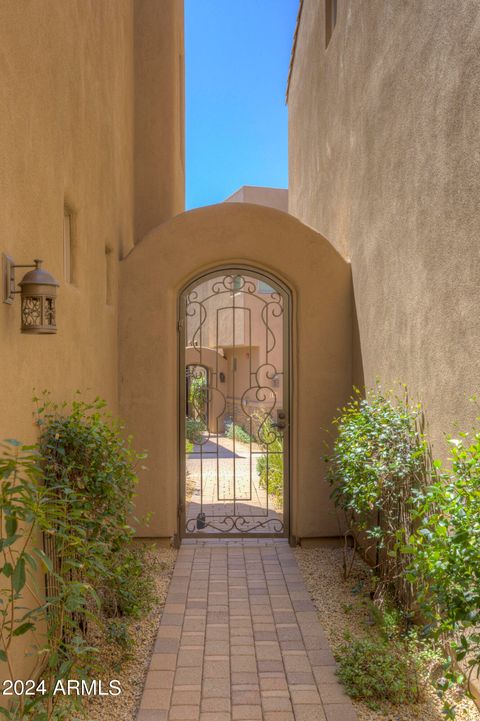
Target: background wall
[[385, 163], [159, 113], [272, 197]]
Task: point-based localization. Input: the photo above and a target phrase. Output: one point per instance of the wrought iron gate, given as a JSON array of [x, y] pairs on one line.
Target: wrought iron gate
[[234, 361]]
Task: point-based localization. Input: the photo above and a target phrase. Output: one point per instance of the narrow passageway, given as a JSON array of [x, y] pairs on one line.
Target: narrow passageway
[[240, 640]]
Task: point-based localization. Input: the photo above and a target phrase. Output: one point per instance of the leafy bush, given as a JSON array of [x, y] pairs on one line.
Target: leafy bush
[[29, 508], [90, 466], [445, 554], [194, 428], [274, 476], [131, 591], [393, 663], [379, 462], [240, 433], [117, 632], [270, 465], [197, 392], [423, 519], [85, 460], [375, 671], [76, 488]]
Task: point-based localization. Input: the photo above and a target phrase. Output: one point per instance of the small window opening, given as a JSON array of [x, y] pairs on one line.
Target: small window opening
[[68, 246], [108, 275], [330, 19]]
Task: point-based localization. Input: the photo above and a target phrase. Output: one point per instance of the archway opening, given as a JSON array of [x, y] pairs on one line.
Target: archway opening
[[234, 366]]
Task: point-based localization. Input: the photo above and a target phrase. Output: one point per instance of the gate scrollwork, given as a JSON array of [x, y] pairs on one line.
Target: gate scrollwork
[[234, 336]]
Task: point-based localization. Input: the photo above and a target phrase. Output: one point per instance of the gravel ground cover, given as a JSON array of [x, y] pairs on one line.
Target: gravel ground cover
[[342, 606], [131, 672]]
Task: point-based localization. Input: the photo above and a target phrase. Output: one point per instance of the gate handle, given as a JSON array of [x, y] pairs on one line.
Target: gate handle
[[281, 422]]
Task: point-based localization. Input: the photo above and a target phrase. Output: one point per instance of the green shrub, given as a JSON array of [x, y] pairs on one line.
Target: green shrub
[[445, 554], [61, 650], [424, 520], [270, 471], [131, 587], [194, 428], [379, 462], [240, 433], [197, 395], [272, 475], [117, 632], [76, 488], [90, 466], [89, 463], [374, 670]]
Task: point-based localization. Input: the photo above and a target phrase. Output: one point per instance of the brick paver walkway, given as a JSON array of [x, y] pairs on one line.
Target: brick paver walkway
[[240, 640]]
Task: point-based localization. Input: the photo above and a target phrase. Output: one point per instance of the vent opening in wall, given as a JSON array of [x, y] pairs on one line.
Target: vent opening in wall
[[330, 19]]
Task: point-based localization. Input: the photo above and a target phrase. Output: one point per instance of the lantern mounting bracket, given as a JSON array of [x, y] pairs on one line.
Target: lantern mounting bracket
[[8, 276]]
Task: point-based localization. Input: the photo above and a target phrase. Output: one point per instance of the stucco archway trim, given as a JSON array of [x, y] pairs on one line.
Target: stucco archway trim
[[154, 273]]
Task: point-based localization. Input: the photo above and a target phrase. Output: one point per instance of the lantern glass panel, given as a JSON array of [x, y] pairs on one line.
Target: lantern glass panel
[[31, 311]]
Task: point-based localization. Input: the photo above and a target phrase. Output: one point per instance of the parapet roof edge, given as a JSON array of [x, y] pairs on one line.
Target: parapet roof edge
[[294, 47]]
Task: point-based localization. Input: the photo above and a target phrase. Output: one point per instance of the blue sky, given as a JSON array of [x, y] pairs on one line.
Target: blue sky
[[236, 57]]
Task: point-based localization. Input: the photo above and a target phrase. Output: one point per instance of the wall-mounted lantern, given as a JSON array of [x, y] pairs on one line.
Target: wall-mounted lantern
[[38, 294]]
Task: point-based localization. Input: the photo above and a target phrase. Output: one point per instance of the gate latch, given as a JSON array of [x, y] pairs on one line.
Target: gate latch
[[201, 520]]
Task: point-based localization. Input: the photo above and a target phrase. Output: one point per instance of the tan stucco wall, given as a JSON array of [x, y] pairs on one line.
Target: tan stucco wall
[[67, 136], [385, 162], [159, 113], [151, 278]]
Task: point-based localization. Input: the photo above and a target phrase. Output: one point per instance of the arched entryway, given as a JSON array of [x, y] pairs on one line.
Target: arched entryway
[[234, 366], [154, 275]]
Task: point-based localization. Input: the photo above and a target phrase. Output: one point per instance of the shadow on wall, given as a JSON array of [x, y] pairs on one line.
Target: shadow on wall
[[358, 375]]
